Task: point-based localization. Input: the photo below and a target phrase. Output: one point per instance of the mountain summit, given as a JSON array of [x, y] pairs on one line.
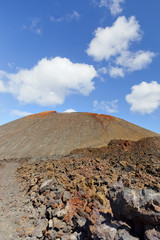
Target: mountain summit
[[50, 133]]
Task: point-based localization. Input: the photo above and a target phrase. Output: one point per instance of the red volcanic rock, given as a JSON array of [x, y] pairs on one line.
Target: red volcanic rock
[[50, 133], [42, 114]]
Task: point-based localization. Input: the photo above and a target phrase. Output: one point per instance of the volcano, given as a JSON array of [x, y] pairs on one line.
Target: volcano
[[51, 133]]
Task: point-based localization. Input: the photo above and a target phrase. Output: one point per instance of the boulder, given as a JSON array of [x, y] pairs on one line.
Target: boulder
[[135, 205], [151, 233], [123, 234], [105, 232]]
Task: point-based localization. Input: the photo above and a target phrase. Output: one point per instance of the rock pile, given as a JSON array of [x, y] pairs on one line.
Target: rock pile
[[109, 194], [66, 214]]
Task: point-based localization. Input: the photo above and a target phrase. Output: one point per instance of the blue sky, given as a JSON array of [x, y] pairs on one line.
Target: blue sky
[[87, 56]]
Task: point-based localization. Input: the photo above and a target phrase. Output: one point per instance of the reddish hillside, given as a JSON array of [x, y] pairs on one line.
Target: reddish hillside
[[51, 133]]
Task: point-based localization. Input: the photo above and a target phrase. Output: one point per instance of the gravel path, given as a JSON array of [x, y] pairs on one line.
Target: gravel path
[[16, 212]]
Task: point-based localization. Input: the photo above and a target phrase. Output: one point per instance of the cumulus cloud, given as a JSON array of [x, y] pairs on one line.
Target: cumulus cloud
[[135, 61], [2, 87], [107, 106], [19, 113], [70, 110], [113, 5], [112, 41], [102, 71], [116, 72], [145, 97], [112, 44], [49, 82]]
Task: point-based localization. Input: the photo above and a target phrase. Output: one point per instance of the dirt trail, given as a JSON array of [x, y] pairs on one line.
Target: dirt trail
[[15, 209]]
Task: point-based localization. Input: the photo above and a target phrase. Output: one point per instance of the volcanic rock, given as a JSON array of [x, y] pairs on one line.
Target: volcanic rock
[[70, 197], [151, 233], [51, 133], [123, 234], [136, 205], [46, 184], [39, 228], [75, 202]]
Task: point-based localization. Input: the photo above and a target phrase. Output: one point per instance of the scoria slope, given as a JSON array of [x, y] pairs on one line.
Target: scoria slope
[[51, 133]]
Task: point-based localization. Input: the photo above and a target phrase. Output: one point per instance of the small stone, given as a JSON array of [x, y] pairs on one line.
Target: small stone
[[54, 205], [61, 213], [52, 234], [48, 213], [66, 196], [39, 228], [54, 212], [42, 211], [59, 224], [81, 221], [41, 198], [59, 189], [50, 224], [50, 204], [67, 229], [32, 238], [52, 187], [46, 184], [87, 209], [65, 237], [73, 236]]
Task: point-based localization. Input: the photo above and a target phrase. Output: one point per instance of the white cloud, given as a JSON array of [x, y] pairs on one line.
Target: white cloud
[[135, 61], [69, 17], [145, 97], [11, 65], [116, 72], [20, 113], [107, 106], [49, 82], [53, 19], [102, 70], [112, 41], [70, 110], [34, 26], [113, 45], [2, 87], [3, 75], [75, 15], [113, 5]]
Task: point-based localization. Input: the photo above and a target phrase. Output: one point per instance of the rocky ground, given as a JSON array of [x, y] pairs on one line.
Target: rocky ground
[[16, 211], [112, 193]]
